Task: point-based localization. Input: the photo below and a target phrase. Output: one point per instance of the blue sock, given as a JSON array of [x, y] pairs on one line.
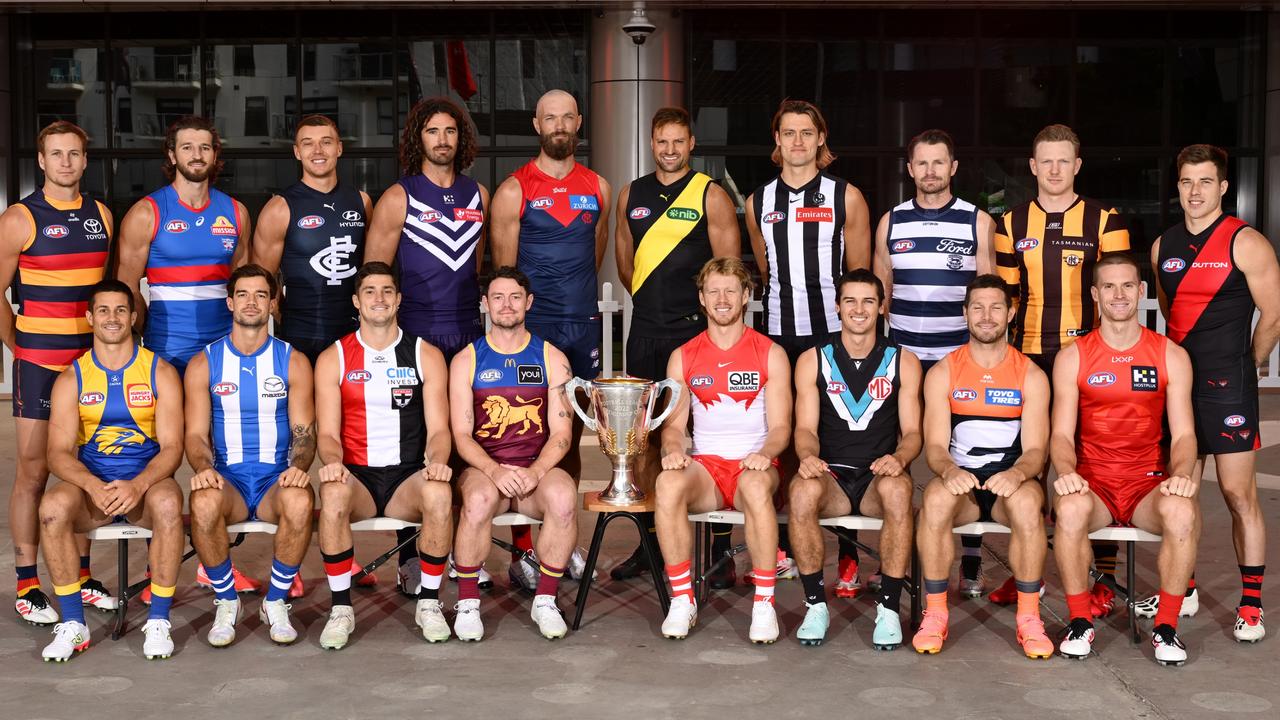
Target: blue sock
[[161, 601], [281, 579], [70, 603], [224, 585]]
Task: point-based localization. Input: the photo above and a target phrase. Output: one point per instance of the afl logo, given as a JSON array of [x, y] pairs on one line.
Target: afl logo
[[773, 217], [1101, 379], [310, 222], [57, 231], [92, 398], [490, 375], [428, 217], [225, 388], [835, 388], [1026, 244], [904, 245], [176, 226], [964, 394], [640, 213], [1233, 421], [700, 381], [1174, 265], [541, 203], [359, 376]]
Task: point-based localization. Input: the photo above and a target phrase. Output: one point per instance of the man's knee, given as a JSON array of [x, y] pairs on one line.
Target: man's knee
[[335, 502], [295, 504], [755, 490], [895, 495], [558, 500], [437, 500], [938, 505], [58, 507], [1177, 516], [206, 506], [1241, 497], [1072, 513], [478, 501], [672, 490], [163, 503], [1025, 506], [804, 496]]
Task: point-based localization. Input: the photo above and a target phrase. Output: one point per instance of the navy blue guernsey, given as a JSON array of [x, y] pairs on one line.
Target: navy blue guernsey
[[323, 248], [437, 257]]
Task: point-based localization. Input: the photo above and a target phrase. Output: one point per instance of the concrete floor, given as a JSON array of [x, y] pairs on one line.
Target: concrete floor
[[617, 665]]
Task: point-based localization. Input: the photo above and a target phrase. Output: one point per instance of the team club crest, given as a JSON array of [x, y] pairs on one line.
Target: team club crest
[[401, 397], [113, 439], [505, 415]]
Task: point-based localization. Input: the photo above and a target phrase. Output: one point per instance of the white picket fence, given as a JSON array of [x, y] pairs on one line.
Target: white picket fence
[[614, 310]]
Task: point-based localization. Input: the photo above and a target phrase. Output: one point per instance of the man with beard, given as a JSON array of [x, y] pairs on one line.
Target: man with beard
[[53, 248], [736, 387], [676, 220], [551, 220], [510, 418], [251, 437], [1213, 271], [186, 237], [430, 225], [1113, 388], [927, 250], [986, 427], [115, 440]]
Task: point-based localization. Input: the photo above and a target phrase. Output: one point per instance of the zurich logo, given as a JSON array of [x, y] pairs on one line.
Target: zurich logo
[[1174, 265]]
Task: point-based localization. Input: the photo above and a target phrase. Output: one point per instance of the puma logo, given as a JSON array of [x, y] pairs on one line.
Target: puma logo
[[664, 197], [330, 206]]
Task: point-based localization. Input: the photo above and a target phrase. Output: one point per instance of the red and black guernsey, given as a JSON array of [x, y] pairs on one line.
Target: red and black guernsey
[[382, 413], [1210, 306]]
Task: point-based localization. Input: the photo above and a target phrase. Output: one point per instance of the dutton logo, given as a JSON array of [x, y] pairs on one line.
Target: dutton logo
[[639, 213], [56, 231], [770, 218], [835, 388], [92, 398], [1173, 265], [468, 215], [429, 216], [964, 394], [359, 376], [1026, 244], [1101, 379], [1233, 420], [880, 388], [139, 395], [701, 381], [176, 226], [310, 222], [490, 375], [541, 203], [904, 245], [225, 388], [820, 214]]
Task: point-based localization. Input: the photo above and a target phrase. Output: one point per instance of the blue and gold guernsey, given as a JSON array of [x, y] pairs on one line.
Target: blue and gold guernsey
[[509, 393], [117, 415]]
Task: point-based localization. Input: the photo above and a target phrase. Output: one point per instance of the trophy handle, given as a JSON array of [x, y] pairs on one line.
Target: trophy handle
[[571, 390], [674, 387]]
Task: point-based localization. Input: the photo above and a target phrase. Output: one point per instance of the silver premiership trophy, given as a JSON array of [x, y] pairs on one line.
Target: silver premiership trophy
[[623, 417]]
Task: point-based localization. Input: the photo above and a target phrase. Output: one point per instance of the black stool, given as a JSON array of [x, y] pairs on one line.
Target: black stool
[[607, 514]]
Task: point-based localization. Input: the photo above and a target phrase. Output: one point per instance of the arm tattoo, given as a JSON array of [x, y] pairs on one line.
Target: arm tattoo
[[303, 448]]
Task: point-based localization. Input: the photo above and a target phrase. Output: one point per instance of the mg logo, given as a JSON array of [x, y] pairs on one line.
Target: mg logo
[[334, 262], [880, 387]]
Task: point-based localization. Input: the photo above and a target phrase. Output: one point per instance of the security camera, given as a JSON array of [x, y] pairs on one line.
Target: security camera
[[638, 26]]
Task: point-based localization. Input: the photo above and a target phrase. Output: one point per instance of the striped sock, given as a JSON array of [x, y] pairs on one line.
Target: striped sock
[[161, 601], [468, 580], [27, 579], [224, 582], [337, 570], [765, 579], [84, 567], [432, 573], [681, 580], [281, 580], [70, 602], [1251, 585], [1028, 597], [548, 579]]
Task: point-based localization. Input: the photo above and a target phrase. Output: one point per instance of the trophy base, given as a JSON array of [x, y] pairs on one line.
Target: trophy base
[[622, 496]]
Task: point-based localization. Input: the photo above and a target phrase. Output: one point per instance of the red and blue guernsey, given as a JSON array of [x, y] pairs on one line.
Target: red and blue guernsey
[[558, 219], [509, 392], [187, 272]]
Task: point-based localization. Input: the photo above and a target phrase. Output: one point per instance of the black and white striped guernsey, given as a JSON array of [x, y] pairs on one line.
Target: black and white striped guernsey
[[803, 231]]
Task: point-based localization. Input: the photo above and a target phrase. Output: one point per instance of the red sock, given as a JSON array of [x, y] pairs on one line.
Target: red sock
[[1078, 607], [548, 579], [468, 581], [522, 538], [1191, 584], [765, 580], [681, 580], [1170, 605]]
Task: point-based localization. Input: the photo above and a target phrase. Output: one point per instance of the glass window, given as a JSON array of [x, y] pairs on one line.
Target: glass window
[[736, 89], [254, 181], [928, 84], [160, 83], [1131, 184], [1119, 94], [1025, 86], [455, 69], [548, 51], [67, 84], [253, 95], [131, 180], [847, 75], [257, 116], [359, 76]]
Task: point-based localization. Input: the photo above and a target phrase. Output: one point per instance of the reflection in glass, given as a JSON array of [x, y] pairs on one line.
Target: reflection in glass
[[351, 83], [254, 106], [153, 87], [68, 84]]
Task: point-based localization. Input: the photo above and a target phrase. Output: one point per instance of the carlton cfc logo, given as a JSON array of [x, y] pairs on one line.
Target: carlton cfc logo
[[1173, 265], [904, 245], [1026, 244], [359, 376], [773, 217], [1234, 421], [964, 394], [225, 388], [176, 226], [1101, 379], [310, 222], [639, 213], [57, 231]]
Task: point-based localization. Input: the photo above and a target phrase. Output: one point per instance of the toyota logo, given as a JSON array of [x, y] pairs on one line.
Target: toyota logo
[[351, 215]]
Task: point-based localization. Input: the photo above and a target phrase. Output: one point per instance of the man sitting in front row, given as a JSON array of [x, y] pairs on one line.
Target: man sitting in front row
[[736, 384], [986, 425], [115, 440], [1111, 391], [510, 419]]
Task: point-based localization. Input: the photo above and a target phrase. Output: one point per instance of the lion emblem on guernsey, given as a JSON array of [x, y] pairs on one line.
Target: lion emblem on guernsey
[[112, 439], [503, 415]]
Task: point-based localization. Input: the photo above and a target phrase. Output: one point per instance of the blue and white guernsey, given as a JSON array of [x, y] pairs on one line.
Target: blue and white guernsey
[[250, 395], [934, 255]]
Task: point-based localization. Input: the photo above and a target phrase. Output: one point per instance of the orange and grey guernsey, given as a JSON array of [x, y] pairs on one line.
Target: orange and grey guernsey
[[1047, 259], [62, 258]]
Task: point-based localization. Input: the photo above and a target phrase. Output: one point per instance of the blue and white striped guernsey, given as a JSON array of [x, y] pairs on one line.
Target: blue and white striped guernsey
[[250, 395], [934, 255]]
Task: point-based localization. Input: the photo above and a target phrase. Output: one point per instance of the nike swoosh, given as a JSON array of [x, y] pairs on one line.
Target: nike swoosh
[[724, 364], [795, 199]]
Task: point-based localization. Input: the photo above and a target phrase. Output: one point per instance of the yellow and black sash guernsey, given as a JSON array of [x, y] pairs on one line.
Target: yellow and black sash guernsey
[[669, 226], [117, 415], [1047, 259], [65, 255]]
